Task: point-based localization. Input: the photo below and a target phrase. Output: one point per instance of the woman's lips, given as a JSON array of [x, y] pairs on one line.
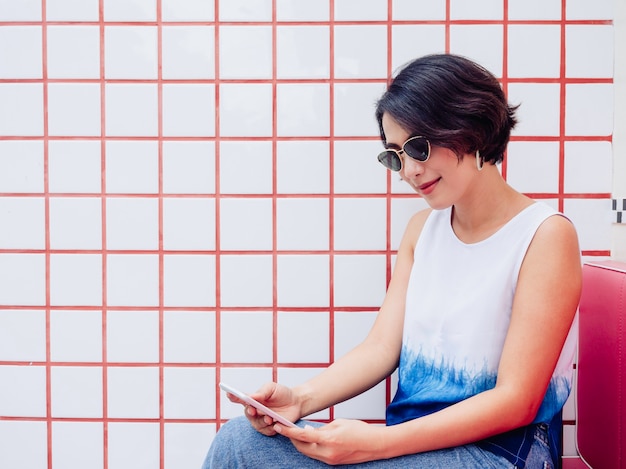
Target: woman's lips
[[428, 187]]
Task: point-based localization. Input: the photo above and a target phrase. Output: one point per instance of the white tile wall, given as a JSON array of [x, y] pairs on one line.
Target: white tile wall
[[189, 193]]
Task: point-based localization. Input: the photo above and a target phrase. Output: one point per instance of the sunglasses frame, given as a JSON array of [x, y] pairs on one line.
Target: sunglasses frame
[[399, 153]]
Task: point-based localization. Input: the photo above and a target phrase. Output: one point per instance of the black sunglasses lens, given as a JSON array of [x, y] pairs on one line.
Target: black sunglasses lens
[[390, 160], [417, 149]]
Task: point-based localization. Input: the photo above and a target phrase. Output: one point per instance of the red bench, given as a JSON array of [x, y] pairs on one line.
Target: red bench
[[601, 386]]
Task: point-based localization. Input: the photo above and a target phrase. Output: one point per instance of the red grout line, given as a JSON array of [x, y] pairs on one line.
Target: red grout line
[[274, 199], [46, 189], [160, 222], [105, 393], [562, 130], [331, 192], [218, 305]]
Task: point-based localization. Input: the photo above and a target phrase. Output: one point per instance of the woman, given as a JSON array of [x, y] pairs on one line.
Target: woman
[[477, 312]]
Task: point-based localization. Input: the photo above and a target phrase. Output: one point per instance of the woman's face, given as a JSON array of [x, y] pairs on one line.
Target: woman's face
[[443, 179]]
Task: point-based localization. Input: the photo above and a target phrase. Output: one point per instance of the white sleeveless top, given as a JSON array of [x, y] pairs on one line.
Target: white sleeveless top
[[458, 308]]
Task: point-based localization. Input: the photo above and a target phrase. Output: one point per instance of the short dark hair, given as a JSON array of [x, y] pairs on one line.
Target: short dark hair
[[453, 102]]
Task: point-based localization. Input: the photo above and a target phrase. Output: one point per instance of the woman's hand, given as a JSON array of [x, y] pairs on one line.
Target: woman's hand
[[275, 396], [339, 442]]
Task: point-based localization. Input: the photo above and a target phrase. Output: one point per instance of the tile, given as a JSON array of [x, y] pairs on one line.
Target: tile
[[26, 10], [295, 10], [188, 52], [290, 376], [569, 440], [481, 43], [22, 335], [24, 223], [303, 52], [360, 51], [25, 61], [583, 10], [302, 224], [21, 113], [75, 223], [534, 9], [133, 444], [247, 380], [189, 280], [351, 328], [358, 157], [303, 109], [368, 272], [132, 167], [131, 110], [132, 392], [360, 224], [589, 216], [589, 109], [589, 51], [76, 279], [132, 336], [187, 10], [412, 41], [246, 110], [23, 278], [66, 345], [410, 10], [132, 223], [246, 167], [534, 51], [18, 435], [188, 224], [78, 444], [76, 391], [188, 393], [476, 10], [402, 209], [353, 108], [130, 10], [257, 212], [188, 337], [303, 280], [72, 10], [74, 166], [302, 167], [73, 51], [186, 443], [588, 167], [355, 10], [130, 52], [26, 396], [245, 52], [533, 167], [540, 107], [74, 109], [21, 166], [369, 405], [188, 167], [132, 280], [303, 337], [189, 110], [246, 337], [253, 271], [245, 10]]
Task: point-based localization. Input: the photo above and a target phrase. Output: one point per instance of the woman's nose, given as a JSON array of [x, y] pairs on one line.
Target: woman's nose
[[411, 167]]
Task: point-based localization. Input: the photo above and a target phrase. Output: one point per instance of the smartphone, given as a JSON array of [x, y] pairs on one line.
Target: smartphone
[[257, 405]]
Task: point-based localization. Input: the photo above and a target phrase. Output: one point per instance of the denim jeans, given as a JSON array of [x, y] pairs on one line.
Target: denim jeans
[[238, 445]]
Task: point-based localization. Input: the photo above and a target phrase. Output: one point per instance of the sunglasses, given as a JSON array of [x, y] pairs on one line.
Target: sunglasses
[[417, 148]]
